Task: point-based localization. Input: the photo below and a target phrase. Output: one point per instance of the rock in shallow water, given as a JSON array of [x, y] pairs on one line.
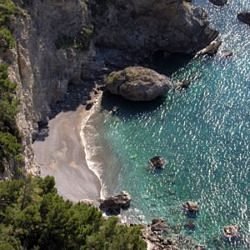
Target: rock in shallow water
[[191, 208], [157, 162], [218, 2], [244, 17], [138, 83], [114, 204], [211, 49], [231, 232]]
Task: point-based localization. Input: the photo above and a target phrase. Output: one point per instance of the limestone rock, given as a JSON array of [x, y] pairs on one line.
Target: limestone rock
[[138, 84], [231, 232], [218, 2], [211, 49], [244, 17], [112, 205], [146, 27]]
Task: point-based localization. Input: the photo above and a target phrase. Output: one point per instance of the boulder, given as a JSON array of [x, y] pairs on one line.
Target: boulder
[[231, 232], [114, 204], [244, 17], [211, 49], [218, 2], [158, 225], [226, 53], [157, 162], [138, 83], [191, 208]]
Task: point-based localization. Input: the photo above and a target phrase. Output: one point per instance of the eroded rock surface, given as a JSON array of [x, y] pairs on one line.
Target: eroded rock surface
[[145, 27], [138, 84]]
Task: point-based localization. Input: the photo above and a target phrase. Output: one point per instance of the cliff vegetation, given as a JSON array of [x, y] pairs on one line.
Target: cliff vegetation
[[34, 216]]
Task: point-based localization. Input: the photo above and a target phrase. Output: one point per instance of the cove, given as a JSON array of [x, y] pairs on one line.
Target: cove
[[204, 135]]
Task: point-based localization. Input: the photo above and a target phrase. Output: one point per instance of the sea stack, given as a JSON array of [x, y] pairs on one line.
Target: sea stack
[[138, 83]]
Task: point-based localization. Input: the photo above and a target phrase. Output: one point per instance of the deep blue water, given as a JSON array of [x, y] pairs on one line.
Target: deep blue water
[[204, 133]]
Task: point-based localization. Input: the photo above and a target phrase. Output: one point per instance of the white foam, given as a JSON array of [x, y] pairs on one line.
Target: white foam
[[90, 149]]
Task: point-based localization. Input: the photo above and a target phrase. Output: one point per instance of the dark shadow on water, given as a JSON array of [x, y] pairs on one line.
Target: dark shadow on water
[[169, 64], [122, 107]]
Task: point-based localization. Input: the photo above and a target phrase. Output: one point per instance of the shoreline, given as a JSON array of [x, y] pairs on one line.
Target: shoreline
[[63, 155], [90, 164]]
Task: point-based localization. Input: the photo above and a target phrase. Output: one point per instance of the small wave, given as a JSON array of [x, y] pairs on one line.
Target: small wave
[[88, 133]]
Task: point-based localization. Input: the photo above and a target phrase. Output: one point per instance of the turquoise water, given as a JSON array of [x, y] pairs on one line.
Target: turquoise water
[[204, 133]]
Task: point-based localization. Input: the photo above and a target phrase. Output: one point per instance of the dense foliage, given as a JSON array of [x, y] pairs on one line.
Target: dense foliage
[[10, 148], [34, 216], [7, 10]]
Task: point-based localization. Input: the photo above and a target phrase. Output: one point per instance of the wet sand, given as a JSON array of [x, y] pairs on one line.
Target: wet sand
[[62, 155]]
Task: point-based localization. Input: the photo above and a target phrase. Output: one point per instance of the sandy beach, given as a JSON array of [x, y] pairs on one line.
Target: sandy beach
[[62, 155]]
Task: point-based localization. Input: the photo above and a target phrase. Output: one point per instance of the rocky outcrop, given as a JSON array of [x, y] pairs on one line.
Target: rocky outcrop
[[113, 205], [244, 17], [211, 49], [149, 26], [138, 84], [160, 236], [218, 2]]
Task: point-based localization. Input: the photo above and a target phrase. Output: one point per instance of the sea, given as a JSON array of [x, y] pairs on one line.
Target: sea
[[202, 132]]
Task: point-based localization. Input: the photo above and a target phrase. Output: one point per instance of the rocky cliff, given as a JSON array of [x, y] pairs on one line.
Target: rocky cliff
[[62, 42]]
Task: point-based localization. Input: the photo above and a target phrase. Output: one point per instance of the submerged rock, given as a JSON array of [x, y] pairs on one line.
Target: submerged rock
[[191, 208], [138, 83], [157, 162], [180, 85], [211, 49], [114, 204], [218, 2], [231, 232], [226, 53], [244, 17], [190, 226]]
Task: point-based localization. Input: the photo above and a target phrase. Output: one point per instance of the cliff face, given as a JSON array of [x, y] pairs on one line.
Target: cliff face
[[147, 26], [62, 41]]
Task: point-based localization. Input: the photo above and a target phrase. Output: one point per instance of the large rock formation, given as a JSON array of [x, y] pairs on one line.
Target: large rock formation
[[138, 83], [148, 26]]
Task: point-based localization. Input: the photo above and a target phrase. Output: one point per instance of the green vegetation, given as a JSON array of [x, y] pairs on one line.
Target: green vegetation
[[10, 147], [80, 41], [7, 10], [34, 216]]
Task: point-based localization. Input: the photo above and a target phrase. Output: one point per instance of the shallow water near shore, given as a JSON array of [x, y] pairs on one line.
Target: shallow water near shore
[[204, 135]]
